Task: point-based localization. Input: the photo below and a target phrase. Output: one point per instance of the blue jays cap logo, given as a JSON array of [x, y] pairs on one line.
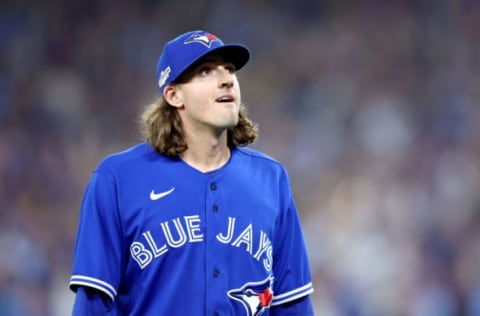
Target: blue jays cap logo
[[203, 38], [255, 296]]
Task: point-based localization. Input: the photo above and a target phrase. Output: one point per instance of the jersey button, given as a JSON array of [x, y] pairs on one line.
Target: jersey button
[[216, 272], [213, 186], [215, 208]]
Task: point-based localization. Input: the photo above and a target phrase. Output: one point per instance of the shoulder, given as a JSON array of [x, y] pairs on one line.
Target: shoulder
[[134, 157], [259, 160], [257, 155]]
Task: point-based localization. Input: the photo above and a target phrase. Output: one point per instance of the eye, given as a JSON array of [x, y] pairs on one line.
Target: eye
[[230, 67], [204, 70]]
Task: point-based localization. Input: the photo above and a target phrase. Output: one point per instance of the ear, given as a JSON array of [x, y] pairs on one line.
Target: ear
[[173, 96]]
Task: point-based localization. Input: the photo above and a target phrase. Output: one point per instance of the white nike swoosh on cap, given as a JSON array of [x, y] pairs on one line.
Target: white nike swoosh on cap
[[155, 196]]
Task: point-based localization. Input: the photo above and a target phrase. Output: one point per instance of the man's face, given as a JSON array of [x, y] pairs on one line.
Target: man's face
[[210, 95]]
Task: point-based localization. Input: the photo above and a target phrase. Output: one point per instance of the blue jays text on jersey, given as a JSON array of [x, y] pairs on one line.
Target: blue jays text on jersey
[[159, 237], [188, 230]]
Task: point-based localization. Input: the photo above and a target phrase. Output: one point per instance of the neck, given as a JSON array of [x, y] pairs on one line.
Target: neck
[[207, 154]]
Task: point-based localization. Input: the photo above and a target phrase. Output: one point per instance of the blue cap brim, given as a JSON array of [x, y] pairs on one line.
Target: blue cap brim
[[237, 54]]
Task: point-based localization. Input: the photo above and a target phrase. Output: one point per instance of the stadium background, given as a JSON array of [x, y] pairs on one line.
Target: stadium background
[[371, 105]]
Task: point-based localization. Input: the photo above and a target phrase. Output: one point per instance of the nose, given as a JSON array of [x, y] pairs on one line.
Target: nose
[[226, 78]]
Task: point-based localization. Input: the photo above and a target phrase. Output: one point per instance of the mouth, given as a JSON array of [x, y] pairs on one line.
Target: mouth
[[226, 98]]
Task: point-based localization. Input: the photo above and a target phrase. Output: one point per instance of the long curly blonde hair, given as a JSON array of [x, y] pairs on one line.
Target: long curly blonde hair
[[162, 128]]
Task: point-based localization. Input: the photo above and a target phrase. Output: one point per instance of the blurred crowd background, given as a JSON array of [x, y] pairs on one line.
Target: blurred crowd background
[[373, 106]]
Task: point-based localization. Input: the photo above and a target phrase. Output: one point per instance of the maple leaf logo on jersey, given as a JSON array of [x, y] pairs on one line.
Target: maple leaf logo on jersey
[[255, 296], [203, 38]]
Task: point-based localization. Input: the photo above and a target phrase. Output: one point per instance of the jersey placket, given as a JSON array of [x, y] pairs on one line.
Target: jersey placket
[[216, 291]]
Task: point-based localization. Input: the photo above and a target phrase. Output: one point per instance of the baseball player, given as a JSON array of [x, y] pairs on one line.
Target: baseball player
[[192, 222]]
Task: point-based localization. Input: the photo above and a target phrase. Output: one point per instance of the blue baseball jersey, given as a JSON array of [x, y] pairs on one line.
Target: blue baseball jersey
[[161, 238]]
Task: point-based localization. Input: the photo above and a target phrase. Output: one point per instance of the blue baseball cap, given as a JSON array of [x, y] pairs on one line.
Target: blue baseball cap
[[184, 50]]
